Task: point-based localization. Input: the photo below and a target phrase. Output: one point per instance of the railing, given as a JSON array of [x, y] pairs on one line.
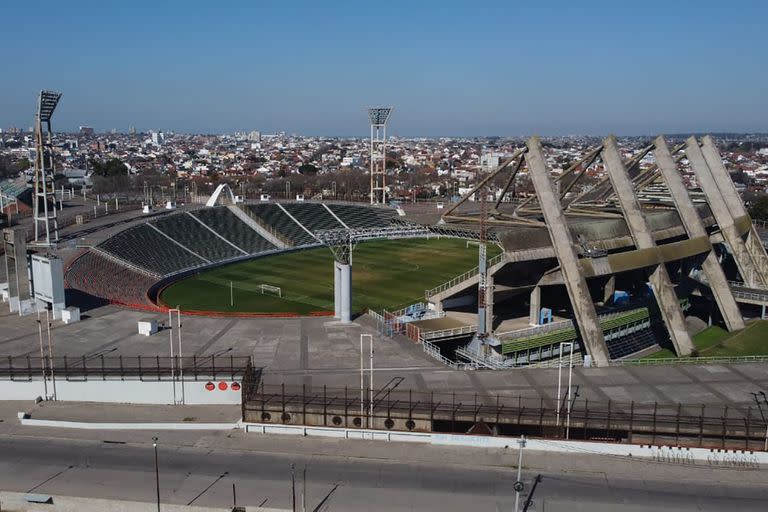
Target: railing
[[531, 331], [99, 367], [448, 333], [691, 360], [433, 351], [691, 424], [463, 277]]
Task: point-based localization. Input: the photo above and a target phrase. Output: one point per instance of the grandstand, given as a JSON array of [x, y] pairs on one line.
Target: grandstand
[[197, 238], [147, 248], [313, 216], [276, 219], [103, 279], [355, 216], [123, 267], [228, 226]]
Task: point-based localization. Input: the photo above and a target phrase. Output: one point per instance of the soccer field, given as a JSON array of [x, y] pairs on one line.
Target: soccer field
[[385, 274]]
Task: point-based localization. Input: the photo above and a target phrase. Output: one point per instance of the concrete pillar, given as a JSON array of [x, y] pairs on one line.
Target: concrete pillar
[[723, 215], [694, 227], [663, 289], [336, 289], [345, 283], [535, 312], [609, 289], [735, 204], [489, 304], [583, 309]]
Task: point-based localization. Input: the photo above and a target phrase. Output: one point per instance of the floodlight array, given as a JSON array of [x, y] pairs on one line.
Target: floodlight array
[[379, 115], [47, 104]]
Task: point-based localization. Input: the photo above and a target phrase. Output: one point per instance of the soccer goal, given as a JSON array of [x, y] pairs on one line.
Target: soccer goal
[[268, 288]]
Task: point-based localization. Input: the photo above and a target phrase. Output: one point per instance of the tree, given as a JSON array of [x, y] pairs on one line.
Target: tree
[[23, 164], [758, 210], [308, 169], [112, 167]]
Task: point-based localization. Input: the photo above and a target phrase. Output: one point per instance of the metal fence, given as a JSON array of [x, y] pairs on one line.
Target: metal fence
[[692, 425], [100, 367]]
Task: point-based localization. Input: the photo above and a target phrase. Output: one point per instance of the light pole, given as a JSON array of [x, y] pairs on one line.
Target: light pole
[[570, 346], [519, 486], [370, 379], [157, 474]]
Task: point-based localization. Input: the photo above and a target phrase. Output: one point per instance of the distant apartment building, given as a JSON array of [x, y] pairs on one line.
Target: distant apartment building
[[86, 131]]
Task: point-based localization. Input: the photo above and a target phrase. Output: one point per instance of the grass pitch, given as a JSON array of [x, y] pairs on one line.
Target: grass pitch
[[717, 342], [385, 274]]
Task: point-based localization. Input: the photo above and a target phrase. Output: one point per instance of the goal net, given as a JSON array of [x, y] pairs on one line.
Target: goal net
[[274, 290]]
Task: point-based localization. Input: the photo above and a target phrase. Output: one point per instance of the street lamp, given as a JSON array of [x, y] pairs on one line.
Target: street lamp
[[519, 486], [157, 474], [570, 346]]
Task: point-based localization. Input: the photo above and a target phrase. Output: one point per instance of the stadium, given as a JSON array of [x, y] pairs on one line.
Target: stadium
[[416, 271], [285, 302]]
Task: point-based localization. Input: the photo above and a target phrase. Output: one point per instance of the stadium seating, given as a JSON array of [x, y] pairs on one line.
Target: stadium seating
[[195, 237], [98, 276], [275, 218], [146, 248], [226, 224], [631, 343], [313, 216], [543, 345], [356, 216]]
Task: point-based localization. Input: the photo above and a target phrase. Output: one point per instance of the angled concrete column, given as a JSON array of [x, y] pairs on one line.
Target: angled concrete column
[[609, 289], [663, 289], [562, 242], [535, 309], [694, 227], [723, 215], [736, 206]]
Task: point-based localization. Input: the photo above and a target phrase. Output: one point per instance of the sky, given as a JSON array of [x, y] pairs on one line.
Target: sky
[[470, 68]]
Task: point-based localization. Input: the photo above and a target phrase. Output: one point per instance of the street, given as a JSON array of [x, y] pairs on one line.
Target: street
[[126, 471]]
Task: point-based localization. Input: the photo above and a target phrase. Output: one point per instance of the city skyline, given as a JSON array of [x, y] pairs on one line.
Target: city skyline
[[449, 71]]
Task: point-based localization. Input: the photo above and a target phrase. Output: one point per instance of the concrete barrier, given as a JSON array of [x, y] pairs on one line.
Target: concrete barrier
[[738, 458], [31, 422]]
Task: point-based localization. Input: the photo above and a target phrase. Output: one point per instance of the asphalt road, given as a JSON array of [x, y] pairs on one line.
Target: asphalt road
[[126, 471]]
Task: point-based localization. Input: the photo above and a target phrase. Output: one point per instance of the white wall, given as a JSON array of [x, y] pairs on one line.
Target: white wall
[[116, 391]]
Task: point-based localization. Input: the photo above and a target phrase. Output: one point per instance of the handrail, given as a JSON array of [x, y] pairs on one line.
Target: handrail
[[691, 360], [433, 351], [463, 277], [446, 333]]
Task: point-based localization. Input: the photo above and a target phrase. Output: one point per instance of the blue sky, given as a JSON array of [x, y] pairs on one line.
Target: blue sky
[[449, 68]]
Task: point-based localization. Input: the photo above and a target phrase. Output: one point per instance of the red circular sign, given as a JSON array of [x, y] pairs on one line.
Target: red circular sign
[[209, 386], [223, 386], [235, 386]]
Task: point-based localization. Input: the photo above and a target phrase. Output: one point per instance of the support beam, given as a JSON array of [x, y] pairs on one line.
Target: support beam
[[663, 289], [583, 308], [723, 215], [337, 290], [535, 309], [732, 198], [694, 227], [609, 289], [489, 303]]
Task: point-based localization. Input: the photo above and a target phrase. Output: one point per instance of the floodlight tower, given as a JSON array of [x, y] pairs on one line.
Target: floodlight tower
[[379, 117], [44, 198]]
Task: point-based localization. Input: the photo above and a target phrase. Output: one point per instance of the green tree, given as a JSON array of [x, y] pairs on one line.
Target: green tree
[[23, 164], [307, 169], [758, 210], [112, 167]]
